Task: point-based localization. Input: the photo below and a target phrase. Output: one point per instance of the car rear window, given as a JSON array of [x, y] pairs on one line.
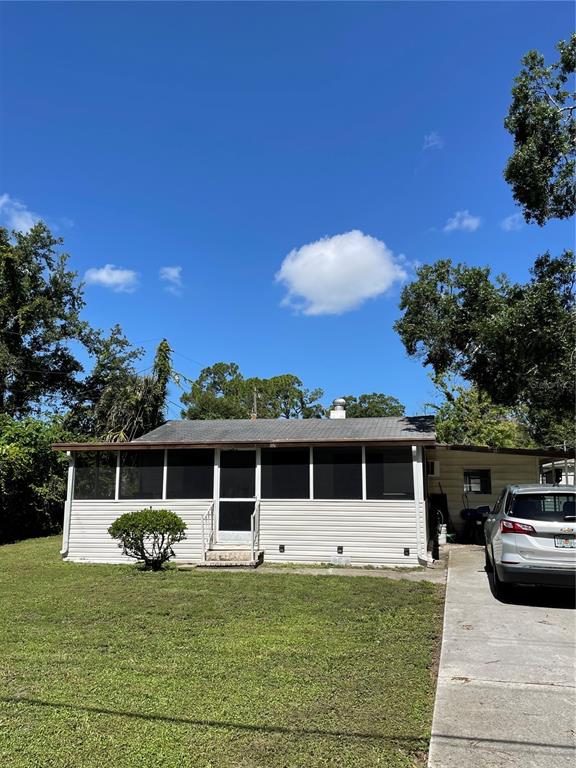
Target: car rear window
[[554, 507]]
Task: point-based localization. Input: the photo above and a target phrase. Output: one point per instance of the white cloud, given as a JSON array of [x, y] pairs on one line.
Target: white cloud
[[337, 274], [433, 140], [15, 214], [512, 223], [172, 277], [117, 279], [463, 221]]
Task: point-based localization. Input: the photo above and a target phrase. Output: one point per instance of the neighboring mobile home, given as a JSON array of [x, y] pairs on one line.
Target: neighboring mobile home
[[300, 490]]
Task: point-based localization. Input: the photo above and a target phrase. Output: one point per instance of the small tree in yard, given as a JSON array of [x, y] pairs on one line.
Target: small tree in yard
[[148, 535]]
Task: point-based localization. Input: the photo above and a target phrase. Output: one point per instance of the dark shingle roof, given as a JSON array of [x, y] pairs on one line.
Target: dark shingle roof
[[234, 431]]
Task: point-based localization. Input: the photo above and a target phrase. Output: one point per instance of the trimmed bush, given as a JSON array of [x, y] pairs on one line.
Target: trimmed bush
[[148, 535]]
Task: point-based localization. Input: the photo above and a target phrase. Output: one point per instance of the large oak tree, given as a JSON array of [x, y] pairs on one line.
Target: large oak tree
[[515, 342], [40, 304], [541, 170]]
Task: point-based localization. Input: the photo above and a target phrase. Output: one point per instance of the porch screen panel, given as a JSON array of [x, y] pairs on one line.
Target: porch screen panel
[[235, 515], [95, 475], [141, 474], [389, 473], [190, 474], [285, 473], [337, 473], [237, 474]]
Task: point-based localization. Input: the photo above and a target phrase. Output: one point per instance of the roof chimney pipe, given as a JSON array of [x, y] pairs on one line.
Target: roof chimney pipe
[[338, 410]]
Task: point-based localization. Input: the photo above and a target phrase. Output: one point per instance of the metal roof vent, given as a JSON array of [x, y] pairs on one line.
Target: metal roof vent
[[338, 410]]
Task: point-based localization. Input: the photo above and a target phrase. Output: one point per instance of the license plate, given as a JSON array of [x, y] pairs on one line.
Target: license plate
[[568, 542]]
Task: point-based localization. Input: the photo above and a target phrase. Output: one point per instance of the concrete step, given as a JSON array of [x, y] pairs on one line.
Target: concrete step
[[229, 564], [229, 554], [231, 558]]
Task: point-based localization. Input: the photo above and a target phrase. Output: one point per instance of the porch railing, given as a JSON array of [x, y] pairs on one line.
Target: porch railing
[[255, 529], [207, 530]]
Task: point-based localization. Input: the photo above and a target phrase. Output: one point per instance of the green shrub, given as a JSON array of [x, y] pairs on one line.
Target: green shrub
[[32, 477], [148, 535]]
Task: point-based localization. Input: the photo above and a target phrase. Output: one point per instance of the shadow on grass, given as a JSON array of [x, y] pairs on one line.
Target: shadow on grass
[[400, 741], [406, 741], [473, 740]]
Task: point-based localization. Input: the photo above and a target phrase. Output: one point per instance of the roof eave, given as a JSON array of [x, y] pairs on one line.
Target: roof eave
[[150, 445], [548, 453]]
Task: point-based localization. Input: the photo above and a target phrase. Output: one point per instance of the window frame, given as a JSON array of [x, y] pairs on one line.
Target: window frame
[[310, 447], [362, 496], [167, 467], [113, 467], [481, 474], [309, 465], [408, 462], [143, 452]]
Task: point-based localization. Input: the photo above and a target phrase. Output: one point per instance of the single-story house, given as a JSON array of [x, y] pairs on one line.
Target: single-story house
[[287, 490]]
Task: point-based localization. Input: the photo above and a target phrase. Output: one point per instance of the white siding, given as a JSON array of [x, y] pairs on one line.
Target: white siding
[[420, 503], [505, 469], [89, 540], [371, 532]]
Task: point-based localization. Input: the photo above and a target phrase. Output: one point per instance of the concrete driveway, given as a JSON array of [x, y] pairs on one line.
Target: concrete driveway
[[507, 680]]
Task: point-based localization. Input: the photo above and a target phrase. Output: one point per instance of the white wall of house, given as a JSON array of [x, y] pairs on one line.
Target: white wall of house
[[370, 532], [505, 469], [89, 541]]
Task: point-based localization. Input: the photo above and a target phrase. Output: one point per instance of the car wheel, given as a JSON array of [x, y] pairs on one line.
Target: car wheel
[[487, 561], [500, 589]]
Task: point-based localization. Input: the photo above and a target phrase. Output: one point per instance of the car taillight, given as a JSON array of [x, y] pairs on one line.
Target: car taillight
[[511, 526]]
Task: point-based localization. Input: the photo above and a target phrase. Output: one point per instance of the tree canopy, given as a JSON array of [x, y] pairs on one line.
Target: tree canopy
[[40, 304], [112, 372], [541, 170], [373, 405], [467, 416], [514, 342], [32, 477], [222, 392], [133, 404]]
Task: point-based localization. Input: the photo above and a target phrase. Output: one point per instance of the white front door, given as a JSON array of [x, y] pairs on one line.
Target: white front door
[[237, 496]]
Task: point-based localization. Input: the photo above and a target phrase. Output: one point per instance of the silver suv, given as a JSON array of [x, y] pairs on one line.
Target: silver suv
[[531, 536]]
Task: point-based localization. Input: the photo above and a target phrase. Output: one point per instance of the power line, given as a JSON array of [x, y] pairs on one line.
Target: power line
[[190, 359], [178, 407]]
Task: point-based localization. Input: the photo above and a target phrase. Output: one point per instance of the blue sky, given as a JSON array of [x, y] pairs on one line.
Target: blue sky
[[213, 140]]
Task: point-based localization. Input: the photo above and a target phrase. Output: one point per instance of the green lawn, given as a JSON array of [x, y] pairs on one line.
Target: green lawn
[[109, 666]]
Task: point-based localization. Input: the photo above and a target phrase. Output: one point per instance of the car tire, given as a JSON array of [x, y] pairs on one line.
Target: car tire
[[501, 590], [487, 562]]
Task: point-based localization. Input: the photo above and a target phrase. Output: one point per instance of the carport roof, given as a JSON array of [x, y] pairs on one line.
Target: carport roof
[[543, 453]]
